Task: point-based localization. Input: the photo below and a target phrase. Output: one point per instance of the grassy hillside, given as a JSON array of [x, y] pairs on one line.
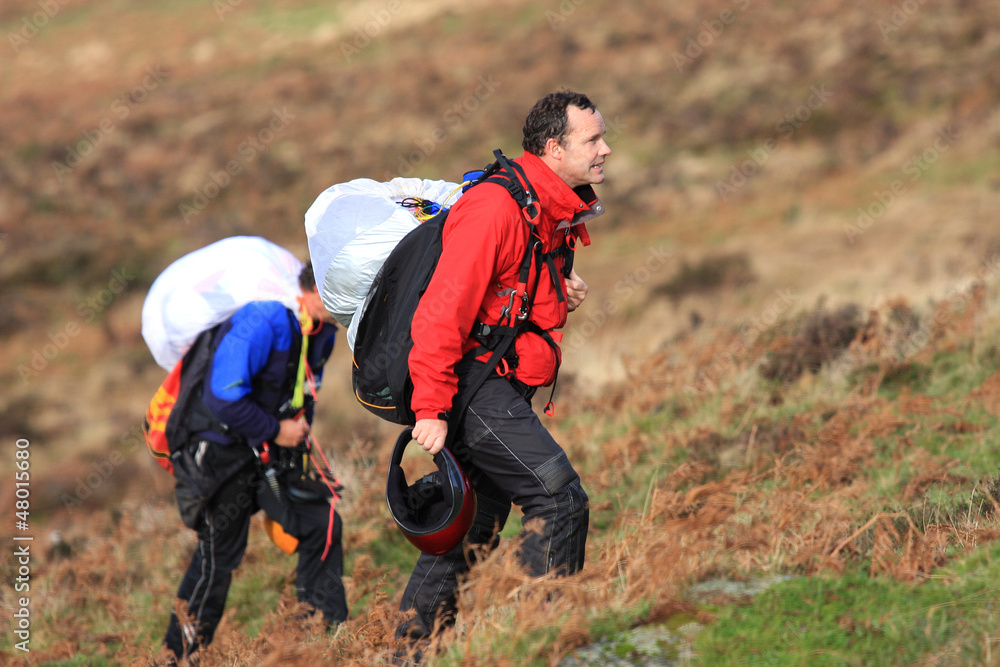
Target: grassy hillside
[[862, 471], [785, 365]]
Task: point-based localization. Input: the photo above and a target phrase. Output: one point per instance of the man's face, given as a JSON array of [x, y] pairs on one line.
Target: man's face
[[583, 150], [314, 304]]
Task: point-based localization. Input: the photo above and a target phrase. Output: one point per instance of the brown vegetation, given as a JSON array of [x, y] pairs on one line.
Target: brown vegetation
[[772, 498], [758, 260]]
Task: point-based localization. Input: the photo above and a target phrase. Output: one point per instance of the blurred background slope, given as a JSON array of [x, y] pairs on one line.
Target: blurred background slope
[[767, 156]]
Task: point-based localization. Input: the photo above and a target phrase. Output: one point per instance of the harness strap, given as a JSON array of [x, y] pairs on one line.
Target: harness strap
[[200, 418], [528, 199], [333, 485], [550, 408], [465, 397], [298, 392], [487, 333], [553, 273], [570, 253]]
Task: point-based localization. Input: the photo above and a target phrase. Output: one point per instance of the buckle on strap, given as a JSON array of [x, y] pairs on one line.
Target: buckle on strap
[[530, 210], [506, 310], [522, 313]]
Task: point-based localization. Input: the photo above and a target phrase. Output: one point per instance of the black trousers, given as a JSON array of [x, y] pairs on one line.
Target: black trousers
[[222, 541], [510, 458]]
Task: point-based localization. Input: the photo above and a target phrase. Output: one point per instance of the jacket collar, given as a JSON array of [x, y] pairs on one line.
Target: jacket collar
[[567, 206]]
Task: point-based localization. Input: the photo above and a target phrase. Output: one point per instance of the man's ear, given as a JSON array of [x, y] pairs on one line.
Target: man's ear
[[553, 148]]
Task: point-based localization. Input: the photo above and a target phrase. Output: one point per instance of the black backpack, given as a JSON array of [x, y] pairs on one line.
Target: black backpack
[[174, 416], [381, 373], [168, 424]]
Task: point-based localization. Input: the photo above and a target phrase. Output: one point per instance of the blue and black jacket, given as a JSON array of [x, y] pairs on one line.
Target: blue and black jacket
[[254, 369]]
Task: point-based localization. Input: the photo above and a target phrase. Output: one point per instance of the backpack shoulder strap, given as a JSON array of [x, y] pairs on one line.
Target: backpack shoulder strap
[[511, 176], [189, 414]]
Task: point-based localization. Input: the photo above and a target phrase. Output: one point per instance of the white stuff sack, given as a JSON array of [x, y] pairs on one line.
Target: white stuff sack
[[204, 287], [352, 227]]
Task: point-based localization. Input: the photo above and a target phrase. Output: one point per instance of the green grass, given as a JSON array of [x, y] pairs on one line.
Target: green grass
[[303, 19], [256, 591], [956, 372], [512, 641], [856, 619], [84, 661], [393, 552], [949, 171], [906, 376]]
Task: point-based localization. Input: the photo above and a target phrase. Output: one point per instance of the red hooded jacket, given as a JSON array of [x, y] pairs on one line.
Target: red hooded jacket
[[483, 244]]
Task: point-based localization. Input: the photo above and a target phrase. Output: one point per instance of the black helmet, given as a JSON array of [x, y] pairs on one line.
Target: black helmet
[[436, 511]]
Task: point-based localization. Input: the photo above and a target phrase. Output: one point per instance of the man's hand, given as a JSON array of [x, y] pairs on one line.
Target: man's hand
[[291, 432], [431, 434], [576, 290]]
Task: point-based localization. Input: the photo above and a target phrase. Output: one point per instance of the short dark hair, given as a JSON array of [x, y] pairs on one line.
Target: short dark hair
[[548, 119], [307, 279]]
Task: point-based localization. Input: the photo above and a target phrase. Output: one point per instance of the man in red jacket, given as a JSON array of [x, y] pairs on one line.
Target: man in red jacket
[[500, 442]]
